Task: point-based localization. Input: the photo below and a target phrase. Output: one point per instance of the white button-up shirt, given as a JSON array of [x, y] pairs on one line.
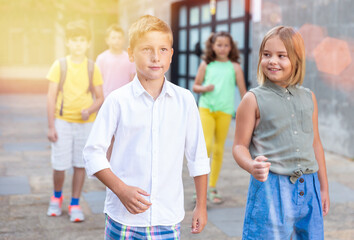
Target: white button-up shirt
[[151, 139]]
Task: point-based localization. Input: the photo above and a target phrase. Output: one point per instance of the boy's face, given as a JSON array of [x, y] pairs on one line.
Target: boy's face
[[78, 46], [115, 41], [152, 55]]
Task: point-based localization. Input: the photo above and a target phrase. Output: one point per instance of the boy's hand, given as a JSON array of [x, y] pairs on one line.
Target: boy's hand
[[85, 114], [199, 220], [209, 88], [52, 135], [260, 168], [132, 199]]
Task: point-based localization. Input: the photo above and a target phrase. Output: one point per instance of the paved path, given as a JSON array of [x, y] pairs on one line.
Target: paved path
[[26, 186]]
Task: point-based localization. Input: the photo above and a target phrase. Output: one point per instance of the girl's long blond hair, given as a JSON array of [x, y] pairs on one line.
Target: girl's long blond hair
[[295, 48]]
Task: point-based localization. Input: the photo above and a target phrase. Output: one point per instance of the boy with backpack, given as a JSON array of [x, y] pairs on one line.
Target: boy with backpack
[[74, 96]]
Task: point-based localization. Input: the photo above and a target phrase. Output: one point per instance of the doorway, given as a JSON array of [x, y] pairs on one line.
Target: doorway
[[192, 23]]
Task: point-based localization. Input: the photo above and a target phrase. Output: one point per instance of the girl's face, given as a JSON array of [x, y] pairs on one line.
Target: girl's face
[[275, 62], [222, 48]]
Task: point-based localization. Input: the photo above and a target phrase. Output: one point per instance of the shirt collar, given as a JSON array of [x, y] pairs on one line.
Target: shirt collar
[[279, 90], [138, 89]]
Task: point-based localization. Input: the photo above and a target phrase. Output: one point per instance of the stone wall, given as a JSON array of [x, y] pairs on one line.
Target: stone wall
[[130, 10], [327, 27]]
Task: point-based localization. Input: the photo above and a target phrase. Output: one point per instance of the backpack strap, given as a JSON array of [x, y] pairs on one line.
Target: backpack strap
[[90, 70], [63, 69]]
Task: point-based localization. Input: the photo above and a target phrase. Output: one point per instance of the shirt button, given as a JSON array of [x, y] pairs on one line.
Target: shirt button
[[297, 150], [293, 115], [295, 132], [301, 180], [302, 193], [288, 98]]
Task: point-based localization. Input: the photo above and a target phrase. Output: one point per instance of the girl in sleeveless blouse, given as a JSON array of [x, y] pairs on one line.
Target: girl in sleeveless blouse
[[278, 143]]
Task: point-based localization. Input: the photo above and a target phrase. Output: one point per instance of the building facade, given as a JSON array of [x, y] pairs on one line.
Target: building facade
[[32, 37], [327, 27]]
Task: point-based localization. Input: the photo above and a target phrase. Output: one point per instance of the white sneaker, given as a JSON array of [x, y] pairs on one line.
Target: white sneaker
[[54, 208], [76, 214]]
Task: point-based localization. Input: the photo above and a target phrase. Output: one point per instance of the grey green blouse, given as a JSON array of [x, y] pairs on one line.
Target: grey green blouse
[[285, 132]]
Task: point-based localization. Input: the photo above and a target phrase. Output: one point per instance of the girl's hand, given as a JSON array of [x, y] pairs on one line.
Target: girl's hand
[[132, 199], [209, 88], [260, 168], [52, 134], [85, 114], [325, 202]]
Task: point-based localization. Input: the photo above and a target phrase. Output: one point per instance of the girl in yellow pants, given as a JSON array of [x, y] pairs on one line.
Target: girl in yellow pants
[[219, 77], [215, 128]]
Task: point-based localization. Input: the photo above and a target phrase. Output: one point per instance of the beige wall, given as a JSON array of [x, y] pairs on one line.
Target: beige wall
[[131, 10]]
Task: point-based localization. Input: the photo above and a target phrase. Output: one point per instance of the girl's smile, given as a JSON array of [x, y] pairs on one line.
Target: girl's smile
[[275, 62]]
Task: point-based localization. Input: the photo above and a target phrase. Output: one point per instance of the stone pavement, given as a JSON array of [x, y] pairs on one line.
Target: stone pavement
[[26, 186]]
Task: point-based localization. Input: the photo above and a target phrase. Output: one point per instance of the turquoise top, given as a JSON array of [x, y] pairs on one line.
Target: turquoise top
[[222, 98], [285, 131]]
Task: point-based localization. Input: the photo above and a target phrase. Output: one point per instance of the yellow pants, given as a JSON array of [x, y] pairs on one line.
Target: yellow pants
[[215, 128]]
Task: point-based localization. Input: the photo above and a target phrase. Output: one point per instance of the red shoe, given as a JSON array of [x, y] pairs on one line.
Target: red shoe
[[54, 208], [76, 214]]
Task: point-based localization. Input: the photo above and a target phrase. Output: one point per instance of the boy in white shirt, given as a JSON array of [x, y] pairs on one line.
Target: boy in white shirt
[[155, 124]]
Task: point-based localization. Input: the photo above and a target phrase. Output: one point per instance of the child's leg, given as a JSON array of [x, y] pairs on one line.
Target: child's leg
[[310, 223], [115, 230], [270, 211], [81, 132], [78, 182], [58, 179], [61, 155], [208, 124], [222, 123]]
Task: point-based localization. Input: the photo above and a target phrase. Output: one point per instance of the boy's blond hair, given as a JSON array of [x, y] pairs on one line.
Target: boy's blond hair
[[147, 24], [115, 28], [295, 48], [77, 28]]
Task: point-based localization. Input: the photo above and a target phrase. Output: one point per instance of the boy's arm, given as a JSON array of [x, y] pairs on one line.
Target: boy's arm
[[200, 216], [320, 157], [131, 197], [51, 103], [198, 163], [96, 163], [97, 102], [245, 123], [198, 87]]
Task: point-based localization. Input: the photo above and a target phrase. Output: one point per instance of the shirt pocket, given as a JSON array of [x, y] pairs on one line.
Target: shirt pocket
[[306, 120]]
